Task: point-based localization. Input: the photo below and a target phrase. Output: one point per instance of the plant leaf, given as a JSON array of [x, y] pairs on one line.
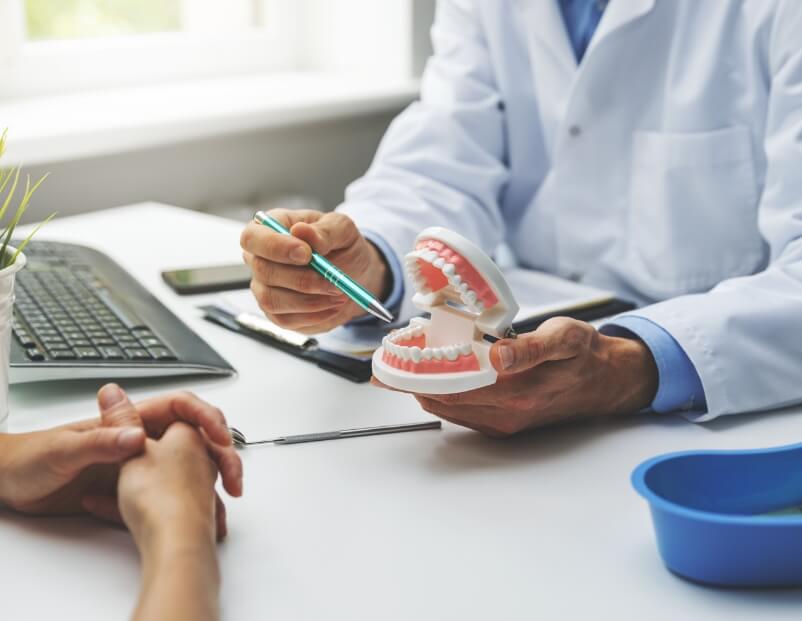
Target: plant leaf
[[11, 192], [24, 243]]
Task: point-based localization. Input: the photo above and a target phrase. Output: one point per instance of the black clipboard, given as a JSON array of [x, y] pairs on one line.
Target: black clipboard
[[360, 371], [351, 369]]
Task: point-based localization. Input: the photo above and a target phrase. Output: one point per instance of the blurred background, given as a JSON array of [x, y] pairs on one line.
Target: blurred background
[[216, 105]]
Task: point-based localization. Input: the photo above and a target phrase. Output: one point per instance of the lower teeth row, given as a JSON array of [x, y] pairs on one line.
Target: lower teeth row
[[416, 354]]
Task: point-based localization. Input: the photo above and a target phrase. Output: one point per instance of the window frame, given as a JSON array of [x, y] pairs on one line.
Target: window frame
[[31, 68]]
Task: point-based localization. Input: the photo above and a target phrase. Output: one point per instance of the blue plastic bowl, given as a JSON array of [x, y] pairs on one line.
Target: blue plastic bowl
[[709, 513]]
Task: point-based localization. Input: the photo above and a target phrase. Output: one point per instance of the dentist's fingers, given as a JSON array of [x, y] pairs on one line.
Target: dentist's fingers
[[260, 240], [278, 301], [295, 278], [333, 231], [559, 338], [263, 242]]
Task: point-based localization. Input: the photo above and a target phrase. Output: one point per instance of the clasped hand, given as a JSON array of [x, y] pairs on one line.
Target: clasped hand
[[76, 468], [562, 371]]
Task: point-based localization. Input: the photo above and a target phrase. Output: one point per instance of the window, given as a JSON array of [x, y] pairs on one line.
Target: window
[[49, 46], [75, 19]]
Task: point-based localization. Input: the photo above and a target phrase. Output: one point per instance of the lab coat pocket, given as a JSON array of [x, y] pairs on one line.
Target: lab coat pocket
[[692, 218]]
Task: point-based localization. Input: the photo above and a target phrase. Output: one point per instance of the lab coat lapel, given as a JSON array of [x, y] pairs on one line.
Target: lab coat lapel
[[543, 21], [618, 14]]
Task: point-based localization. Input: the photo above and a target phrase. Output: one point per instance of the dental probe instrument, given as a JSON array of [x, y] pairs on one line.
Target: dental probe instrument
[[361, 296], [241, 442]]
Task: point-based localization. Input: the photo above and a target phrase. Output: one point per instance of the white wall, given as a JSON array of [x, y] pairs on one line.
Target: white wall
[[317, 160]]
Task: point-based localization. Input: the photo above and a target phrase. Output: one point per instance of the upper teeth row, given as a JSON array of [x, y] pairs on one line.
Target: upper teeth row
[[416, 354], [466, 294]]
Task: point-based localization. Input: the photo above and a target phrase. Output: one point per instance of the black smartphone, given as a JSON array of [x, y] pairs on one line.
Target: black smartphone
[[208, 279]]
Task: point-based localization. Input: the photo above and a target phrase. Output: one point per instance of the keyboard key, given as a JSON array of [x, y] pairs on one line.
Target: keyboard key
[[161, 353], [112, 353], [80, 342], [151, 341], [137, 354], [35, 354], [24, 338], [63, 354], [104, 341], [52, 340], [87, 353]]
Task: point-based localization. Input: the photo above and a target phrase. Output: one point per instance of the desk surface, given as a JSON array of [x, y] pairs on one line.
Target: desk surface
[[430, 525]]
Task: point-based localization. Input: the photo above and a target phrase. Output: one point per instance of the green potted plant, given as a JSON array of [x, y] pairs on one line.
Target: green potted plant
[[13, 204]]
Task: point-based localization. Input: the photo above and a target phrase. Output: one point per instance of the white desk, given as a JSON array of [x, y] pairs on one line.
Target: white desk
[[428, 525]]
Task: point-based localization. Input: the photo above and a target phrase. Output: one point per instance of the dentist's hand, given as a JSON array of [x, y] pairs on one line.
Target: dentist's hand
[[565, 370], [293, 295]]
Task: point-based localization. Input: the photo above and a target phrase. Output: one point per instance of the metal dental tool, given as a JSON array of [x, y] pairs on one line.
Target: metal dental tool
[[241, 442]]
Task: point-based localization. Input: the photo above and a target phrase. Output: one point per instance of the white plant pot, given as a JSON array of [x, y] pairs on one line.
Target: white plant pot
[[6, 316]]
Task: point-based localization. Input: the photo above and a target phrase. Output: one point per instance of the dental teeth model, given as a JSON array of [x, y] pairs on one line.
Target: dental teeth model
[[467, 297]]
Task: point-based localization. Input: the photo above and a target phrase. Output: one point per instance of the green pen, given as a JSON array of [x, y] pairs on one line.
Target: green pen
[[333, 274]]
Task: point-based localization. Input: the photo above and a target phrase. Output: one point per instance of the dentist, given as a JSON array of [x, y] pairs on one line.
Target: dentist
[[652, 147]]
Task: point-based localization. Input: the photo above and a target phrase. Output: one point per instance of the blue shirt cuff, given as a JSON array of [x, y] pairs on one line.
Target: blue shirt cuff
[[393, 301], [679, 387]]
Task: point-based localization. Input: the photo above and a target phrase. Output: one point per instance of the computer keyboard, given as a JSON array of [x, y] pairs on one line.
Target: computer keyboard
[[79, 315]]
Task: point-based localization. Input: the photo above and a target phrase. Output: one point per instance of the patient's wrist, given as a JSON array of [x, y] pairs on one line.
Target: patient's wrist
[[166, 531]]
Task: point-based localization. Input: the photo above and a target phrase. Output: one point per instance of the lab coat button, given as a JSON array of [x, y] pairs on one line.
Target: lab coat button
[[574, 131]]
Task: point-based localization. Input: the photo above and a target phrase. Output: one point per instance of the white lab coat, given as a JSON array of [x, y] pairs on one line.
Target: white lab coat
[[668, 166]]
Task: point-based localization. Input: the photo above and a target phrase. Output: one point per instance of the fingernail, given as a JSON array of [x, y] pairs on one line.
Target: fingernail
[[298, 255], [129, 439], [507, 356], [110, 395]]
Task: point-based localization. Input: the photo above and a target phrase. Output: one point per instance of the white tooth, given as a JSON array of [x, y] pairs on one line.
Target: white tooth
[[451, 352], [465, 349], [449, 269], [470, 297], [427, 353], [395, 349], [455, 280], [437, 352], [463, 287], [415, 354], [403, 352], [417, 330], [439, 262], [430, 256], [480, 308]]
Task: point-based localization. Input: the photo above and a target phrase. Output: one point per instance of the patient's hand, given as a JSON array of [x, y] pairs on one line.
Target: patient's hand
[[167, 500], [48, 472], [73, 469], [291, 294], [168, 490]]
